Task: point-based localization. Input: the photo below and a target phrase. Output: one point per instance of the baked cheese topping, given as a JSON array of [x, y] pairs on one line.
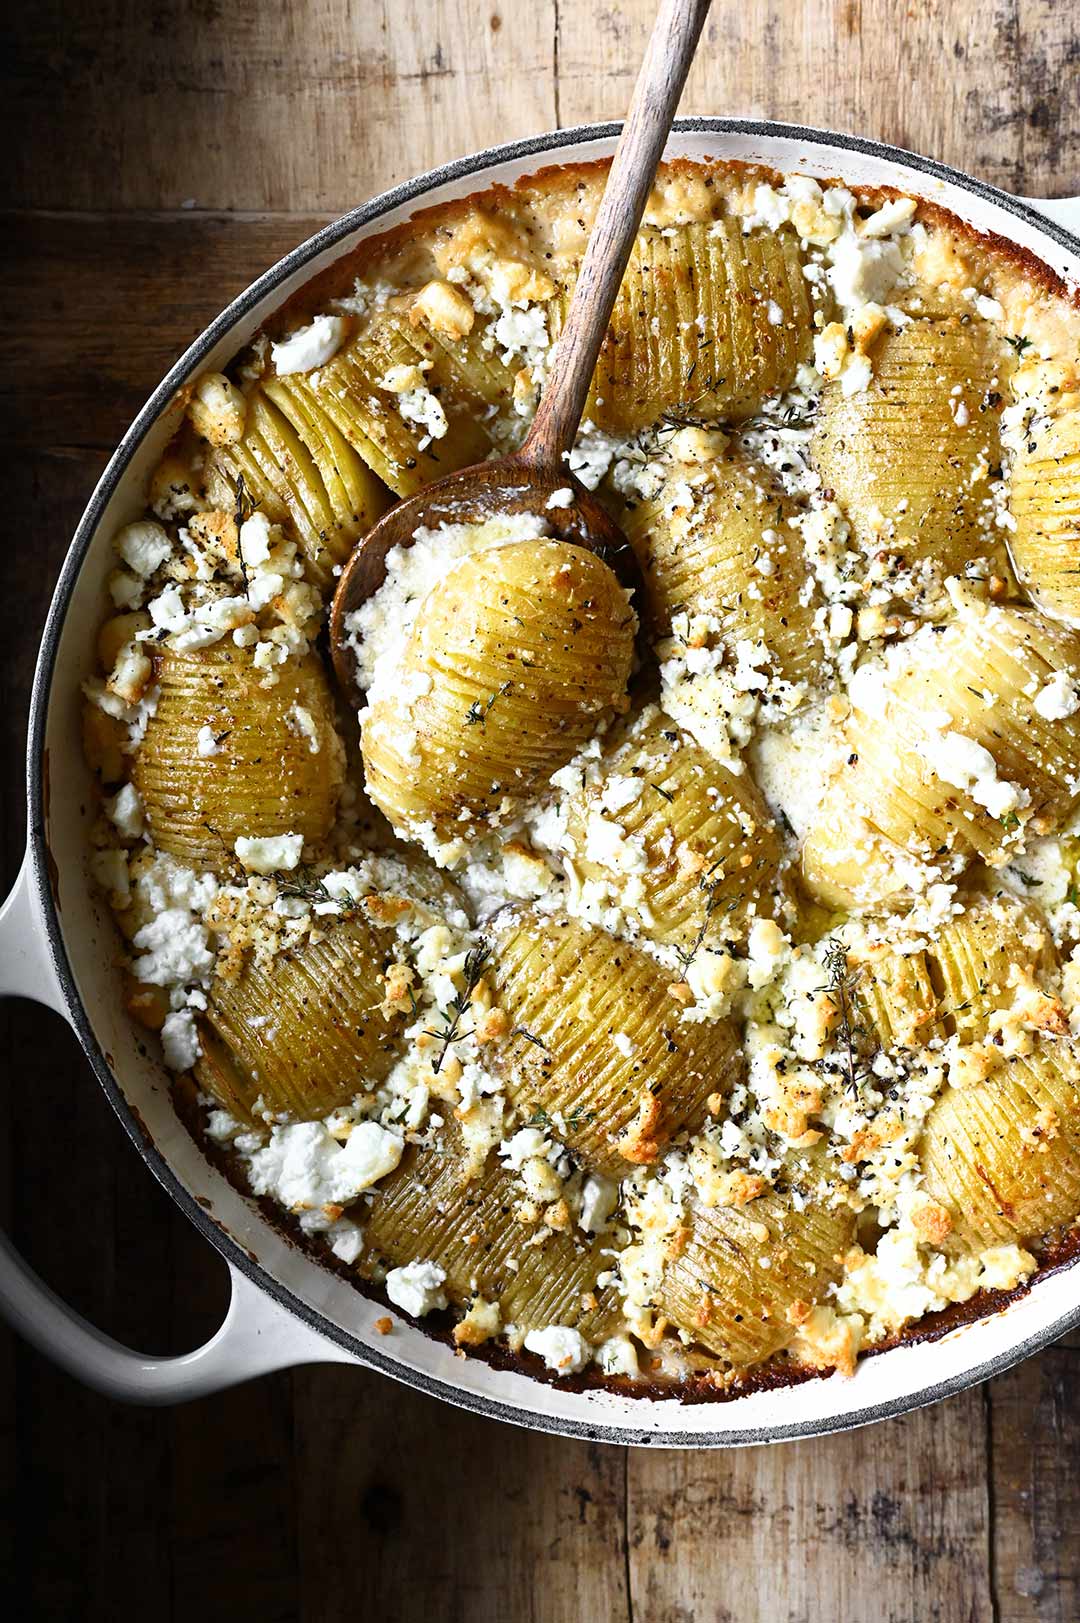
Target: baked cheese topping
[[663, 983]]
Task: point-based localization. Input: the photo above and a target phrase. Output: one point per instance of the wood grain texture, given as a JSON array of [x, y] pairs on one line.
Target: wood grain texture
[[889, 1523], [332, 1493]]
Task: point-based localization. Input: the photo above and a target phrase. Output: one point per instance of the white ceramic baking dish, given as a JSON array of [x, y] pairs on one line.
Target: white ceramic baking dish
[[58, 945]]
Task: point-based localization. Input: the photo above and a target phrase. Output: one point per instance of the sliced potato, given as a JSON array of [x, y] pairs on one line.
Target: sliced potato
[[893, 815], [741, 1279], [265, 776], [909, 456], [1003, 1156], [353, 390], [513, 661], [706, 316], [301, 471], [304, 1033], [721, 543], [430, 1209], [709, 846], [1045, 501], [595, 1042]]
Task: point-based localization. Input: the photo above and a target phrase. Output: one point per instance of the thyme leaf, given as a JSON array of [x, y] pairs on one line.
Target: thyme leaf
[[843, 987], [686, 955], [475, 963], [477, 713]]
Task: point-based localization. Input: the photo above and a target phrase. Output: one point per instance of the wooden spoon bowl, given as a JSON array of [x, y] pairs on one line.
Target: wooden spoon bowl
[[470, 496]]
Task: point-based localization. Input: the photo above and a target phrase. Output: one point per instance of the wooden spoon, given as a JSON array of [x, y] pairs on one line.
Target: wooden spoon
[[525, 481]]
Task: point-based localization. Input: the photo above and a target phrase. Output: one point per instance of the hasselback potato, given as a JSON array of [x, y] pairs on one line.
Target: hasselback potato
[[709, 846], [977, 957], [1045, 500], [955, 760], [352, 390], [1003, 1156], [268, 774], [908, 458], [513, 660], [895, 997], [596, 1043], [952, 985], [300, 470], [304, 1031], [740, 1277], [732, 554], [430, 1210], [705, 314]]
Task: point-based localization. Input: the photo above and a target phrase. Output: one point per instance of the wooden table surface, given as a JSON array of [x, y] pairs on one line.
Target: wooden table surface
[[157, 156]]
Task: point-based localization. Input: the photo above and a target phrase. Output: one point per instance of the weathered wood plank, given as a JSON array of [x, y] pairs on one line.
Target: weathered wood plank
[[1035, 1432], [890, 1523], [189, 102], [70, 381], [428, 1513], [309, 106], [984, 91], [396, 1505]]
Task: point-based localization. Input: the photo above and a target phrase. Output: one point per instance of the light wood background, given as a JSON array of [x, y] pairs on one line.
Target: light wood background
[[157, 154]]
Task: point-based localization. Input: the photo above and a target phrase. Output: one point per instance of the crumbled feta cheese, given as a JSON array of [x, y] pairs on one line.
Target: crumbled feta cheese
[[564, 1350], [205, 742], [599, 1198], [271, 853], [174, 949], [1059, 699], [311, 346], [180, 1040], [968, 765], [125, 810], [415, 1288], [303, 1166], [618, 1356], [144, 546]]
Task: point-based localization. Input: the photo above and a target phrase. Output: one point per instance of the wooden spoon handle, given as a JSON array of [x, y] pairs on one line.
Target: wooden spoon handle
[[668, 56]]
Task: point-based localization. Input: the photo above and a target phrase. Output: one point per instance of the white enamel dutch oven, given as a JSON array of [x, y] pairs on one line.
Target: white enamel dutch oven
[[58, 944]]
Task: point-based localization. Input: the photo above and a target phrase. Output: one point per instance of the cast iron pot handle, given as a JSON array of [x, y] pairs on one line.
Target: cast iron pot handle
[[256, 1336]]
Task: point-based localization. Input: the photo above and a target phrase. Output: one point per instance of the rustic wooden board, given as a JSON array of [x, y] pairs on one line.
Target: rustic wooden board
[[331, 1492]]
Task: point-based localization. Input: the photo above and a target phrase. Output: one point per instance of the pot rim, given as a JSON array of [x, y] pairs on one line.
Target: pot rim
[[551, 141]]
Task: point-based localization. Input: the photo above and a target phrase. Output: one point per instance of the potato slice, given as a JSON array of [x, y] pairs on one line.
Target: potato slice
[[722, 544], [303, 1033], [1003, 1156], [740, 1279], [431, 1210], [267, 776], [709, 846], [595, 1042], [965, 699], [1045, 501], [909, 457], [513, 661], [707, 318]]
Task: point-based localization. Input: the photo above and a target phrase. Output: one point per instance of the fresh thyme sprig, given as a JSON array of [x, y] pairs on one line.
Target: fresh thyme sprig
[[242, 511], [477, 713], [1018, 342], [686, 955], [308, 887], [843, 987], [520, 1031], [475, 963]]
